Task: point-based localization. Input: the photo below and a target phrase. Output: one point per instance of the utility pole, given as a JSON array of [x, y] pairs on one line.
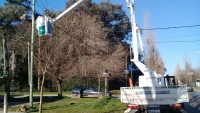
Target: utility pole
[[13, 64], [4, 71], [28, 63], [32, 48], [6, 65], [5, 108]]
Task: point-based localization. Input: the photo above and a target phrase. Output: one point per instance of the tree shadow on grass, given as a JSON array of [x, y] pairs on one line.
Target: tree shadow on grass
[[36, 99], [19, 100]]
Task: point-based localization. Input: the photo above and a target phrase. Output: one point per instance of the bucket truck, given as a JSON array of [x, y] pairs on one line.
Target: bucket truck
[[156, 93]]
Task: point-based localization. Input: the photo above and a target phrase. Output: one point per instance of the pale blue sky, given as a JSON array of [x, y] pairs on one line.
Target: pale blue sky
[[173, 44]]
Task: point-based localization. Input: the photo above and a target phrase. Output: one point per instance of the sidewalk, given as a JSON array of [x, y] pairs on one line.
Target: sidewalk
[[9, 112], [14, 104]]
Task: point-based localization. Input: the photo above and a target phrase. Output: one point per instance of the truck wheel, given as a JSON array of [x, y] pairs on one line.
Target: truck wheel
[[183, 106], [139, 111], [145, 111]]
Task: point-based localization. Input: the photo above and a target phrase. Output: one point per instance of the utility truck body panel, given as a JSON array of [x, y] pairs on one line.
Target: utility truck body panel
[[154, 95], [154, 81]]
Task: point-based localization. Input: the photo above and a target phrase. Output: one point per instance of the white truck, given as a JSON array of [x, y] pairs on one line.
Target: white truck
[[155, 99], [155, 93]]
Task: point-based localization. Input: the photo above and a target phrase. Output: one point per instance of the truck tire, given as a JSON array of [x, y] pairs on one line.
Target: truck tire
[[183, 106], [144, 111]]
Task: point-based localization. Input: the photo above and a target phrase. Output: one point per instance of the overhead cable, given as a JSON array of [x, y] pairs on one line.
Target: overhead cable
[[175, 27], [179, 36], [174, 41], [181, 50]]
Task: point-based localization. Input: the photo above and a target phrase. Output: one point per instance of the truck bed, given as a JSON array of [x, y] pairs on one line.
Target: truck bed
[[154, 95]]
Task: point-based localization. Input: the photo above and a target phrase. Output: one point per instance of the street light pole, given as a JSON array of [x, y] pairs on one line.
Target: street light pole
[[32, 47]]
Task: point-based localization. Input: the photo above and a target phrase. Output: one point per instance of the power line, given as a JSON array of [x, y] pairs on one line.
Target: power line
[[175, 27], [40, 6], [43, 4], [174, 41], [162, 28], [179, 36], [181, 50]]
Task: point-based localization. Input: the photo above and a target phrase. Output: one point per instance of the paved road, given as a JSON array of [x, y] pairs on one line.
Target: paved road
[[193, 106]]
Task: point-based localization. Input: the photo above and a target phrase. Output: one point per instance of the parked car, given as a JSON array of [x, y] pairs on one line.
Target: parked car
[[88, 91], [77, 89], [189, 88]]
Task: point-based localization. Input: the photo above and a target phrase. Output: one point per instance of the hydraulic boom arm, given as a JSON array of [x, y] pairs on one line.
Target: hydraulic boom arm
[[68, 10], [136, 33]]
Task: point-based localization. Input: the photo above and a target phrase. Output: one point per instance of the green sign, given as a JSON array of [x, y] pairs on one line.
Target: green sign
[[41, 30]]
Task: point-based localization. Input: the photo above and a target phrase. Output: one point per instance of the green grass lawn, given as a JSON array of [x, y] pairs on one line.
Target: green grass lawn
[[197, 89], [115, 92], [75, 105]]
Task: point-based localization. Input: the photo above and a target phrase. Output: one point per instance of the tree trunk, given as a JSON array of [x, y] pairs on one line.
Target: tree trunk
[[41, 94], [99, 86], [49, 85], [39, 84], [7, 89], [59, 85]]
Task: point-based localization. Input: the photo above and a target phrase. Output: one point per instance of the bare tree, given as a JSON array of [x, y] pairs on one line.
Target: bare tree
[[153, 57], [79, 47], [177, 74], [197, 72], [188, 69], [187, 74], [51, 49]]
